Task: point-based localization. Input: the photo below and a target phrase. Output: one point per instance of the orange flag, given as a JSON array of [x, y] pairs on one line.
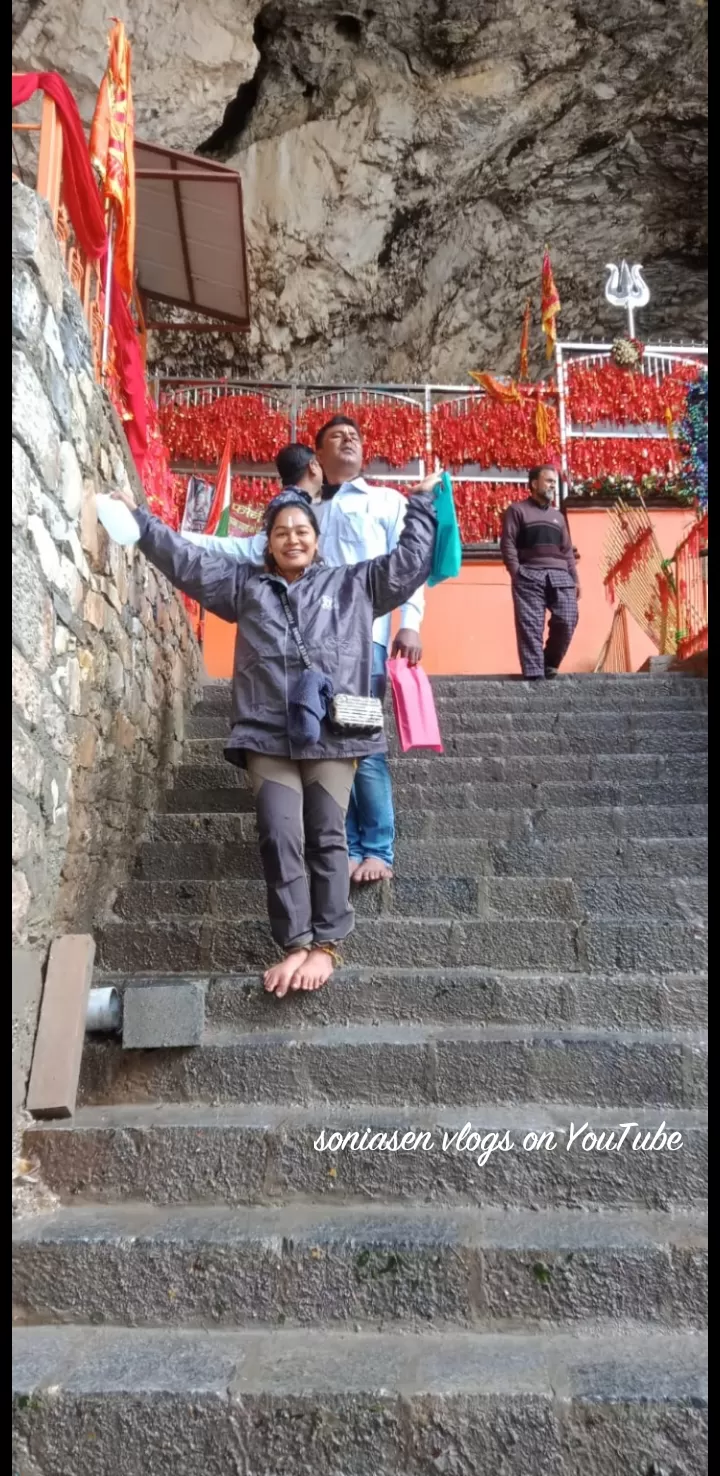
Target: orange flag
[[525, 343], [112, 152], [506, 394], [550, 305]]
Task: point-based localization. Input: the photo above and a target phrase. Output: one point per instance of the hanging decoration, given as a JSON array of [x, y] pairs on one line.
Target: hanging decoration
[[633, 457], [604, 393], [158, 481], [627, 353], [488, 432], [391, 430], [636, 574], [550, 305], [198, 433], [694, 438]]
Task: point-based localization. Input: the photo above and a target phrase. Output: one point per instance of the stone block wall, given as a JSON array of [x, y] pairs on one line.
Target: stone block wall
[[104, 662]]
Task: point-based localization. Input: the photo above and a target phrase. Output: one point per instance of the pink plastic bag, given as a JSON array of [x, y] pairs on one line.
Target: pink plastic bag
[[414, 706]]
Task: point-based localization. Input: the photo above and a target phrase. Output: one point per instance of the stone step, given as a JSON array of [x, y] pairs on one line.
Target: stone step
[[139, 1265], [407, 1064], [181, 945], [604, 741], [512, 836], [603, 725], [178, 1401], [449, 897], [198, 790], [264, 1152], [604, 856], [508, 694], [202, 755], [468, 996]]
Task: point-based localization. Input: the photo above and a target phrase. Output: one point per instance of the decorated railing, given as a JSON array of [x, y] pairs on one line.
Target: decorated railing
[[668, 598], [620, 408], [609, 427], [691, 583]]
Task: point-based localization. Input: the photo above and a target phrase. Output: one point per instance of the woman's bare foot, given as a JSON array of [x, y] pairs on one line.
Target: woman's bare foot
[[353, 866], [278, 979], [372, 870], [314, 972]]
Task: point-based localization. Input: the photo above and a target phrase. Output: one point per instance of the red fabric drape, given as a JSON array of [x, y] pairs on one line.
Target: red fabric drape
[[81, 196]]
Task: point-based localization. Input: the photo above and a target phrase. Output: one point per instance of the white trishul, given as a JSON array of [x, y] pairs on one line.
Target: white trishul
[[626, 287]]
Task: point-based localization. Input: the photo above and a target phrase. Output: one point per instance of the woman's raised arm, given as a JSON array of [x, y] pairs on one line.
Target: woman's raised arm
[[394, 577], [213, 579]]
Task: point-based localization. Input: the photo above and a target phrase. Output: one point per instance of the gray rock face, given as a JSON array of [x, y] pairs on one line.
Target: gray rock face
[[403, 166]]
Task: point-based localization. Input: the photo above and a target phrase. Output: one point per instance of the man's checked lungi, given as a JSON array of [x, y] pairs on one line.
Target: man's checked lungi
[[534, 592]]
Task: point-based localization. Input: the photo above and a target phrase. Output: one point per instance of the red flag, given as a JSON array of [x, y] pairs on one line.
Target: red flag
[[550, 306], [112, 151], [525, 343]]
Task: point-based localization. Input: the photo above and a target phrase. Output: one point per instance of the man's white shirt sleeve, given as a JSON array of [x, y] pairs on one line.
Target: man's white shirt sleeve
[[245, 550]]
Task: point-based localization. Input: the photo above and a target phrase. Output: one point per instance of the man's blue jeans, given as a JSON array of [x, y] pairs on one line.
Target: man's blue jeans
[[370, 823]]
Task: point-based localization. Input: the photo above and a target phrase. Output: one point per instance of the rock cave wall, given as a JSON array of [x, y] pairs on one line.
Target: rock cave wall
[[404, 162]]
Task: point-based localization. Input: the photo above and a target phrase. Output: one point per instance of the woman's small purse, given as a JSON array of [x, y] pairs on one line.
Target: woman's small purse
[[348, 716], [355, 717]]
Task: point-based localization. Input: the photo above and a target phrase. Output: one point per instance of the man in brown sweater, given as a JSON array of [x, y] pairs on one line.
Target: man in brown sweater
[[538, 556]]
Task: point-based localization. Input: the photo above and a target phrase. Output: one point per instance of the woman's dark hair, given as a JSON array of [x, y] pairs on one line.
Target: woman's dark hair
[[293, 462], [336, 420], [283, 500]]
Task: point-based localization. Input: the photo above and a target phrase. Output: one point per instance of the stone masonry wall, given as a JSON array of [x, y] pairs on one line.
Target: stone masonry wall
[[103, 659]]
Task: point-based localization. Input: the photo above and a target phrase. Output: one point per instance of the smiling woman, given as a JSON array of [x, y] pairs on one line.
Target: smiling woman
[[298, 618], [292, 534]]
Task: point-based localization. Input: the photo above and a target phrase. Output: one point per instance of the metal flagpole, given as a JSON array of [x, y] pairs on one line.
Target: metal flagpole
[[108, 284]]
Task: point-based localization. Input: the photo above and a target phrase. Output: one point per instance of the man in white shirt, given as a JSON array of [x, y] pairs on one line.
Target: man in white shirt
[[357, 521]]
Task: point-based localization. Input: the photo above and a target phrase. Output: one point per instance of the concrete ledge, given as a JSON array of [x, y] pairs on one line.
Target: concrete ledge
[[61, 1031], [163, 1016]]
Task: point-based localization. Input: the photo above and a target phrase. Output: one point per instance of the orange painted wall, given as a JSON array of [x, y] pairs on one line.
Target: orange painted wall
[[468, 626]]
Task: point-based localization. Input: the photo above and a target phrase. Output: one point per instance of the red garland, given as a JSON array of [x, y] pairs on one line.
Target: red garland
[[607, 394], [198, 432], [606, 456], [488, 433], [391, 432], [158, 481]]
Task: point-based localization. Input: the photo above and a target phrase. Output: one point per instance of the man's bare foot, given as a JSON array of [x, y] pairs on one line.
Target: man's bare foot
[[278, 979], [353, 866], [314, 972], [372, 870]]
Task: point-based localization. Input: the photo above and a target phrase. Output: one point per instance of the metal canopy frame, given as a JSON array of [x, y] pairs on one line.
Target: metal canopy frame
[[177, 169]]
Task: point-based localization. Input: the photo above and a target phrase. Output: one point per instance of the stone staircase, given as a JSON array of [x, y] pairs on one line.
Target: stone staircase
[[216, 1295]]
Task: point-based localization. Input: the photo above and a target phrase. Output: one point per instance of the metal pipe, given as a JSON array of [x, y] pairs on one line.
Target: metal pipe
[[108, 297], [104, 1011]]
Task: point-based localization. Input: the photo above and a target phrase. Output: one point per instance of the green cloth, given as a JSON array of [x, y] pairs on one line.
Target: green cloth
[[447, 556]]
